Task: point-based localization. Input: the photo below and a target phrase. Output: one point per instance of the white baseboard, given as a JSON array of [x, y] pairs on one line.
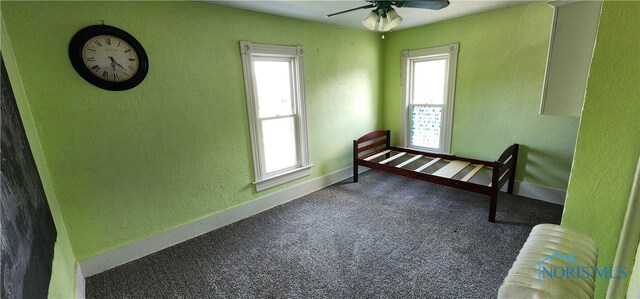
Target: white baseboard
[[544, 193], [142, 247], [79, 283]]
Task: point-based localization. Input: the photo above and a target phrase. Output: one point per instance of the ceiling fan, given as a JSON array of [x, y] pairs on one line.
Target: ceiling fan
[[384, 18]]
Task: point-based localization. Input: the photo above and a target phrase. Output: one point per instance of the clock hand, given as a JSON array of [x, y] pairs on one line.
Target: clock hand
[[118, 64], [113, 63], [125, 70]]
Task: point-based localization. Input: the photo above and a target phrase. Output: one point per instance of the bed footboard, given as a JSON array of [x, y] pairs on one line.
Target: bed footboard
[[508, 161], [504, 169]]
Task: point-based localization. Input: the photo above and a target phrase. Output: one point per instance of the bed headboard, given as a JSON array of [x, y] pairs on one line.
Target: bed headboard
[[372, 143]]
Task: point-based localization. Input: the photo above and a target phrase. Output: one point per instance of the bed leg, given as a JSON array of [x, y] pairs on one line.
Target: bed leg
[[492, 207], [355, 161], [493, 203], [510, 186], [355, 173]]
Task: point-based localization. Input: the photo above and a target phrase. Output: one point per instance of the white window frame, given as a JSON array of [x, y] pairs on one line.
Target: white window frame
[[249, 51], [409, 58]]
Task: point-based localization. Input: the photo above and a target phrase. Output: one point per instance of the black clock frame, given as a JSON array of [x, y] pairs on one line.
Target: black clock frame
[[85, 34]]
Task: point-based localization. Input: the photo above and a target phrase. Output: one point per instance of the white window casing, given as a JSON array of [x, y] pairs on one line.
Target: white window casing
[[301, 167], [449, 54]]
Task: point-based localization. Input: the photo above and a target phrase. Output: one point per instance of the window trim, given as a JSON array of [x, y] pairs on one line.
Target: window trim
[[262, 179], [409, 57]]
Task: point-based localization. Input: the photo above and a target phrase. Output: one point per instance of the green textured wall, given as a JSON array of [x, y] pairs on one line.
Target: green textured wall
[[609, 136], [130, 164], [500, 73], [62, 284]]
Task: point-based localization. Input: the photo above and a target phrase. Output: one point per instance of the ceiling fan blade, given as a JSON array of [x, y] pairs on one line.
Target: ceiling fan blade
[[426, 4], [348, 10]]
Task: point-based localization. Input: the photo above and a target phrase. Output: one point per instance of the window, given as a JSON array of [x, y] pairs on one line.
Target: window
[[275, 104], [428, 88]]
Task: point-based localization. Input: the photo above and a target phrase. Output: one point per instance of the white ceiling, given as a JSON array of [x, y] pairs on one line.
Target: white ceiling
[[317, 10]]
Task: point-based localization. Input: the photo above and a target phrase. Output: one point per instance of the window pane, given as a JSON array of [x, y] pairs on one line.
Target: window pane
[[273, 84], [428, 82], [426, 123], [279, 140]]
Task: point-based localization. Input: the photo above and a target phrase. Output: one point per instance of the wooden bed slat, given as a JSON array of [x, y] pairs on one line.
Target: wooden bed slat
[[441, 156], [409, 161], [392, 158], [451, 169], [471, 173], [423, 167], [377, 155]]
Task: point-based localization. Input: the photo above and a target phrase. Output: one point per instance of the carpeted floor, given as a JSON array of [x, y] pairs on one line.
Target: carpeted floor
[[385, 237]]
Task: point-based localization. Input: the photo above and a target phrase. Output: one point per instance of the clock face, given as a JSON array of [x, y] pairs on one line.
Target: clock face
[[108, 57]]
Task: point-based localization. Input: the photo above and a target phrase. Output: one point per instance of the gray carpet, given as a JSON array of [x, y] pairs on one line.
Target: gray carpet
[[385, 237]]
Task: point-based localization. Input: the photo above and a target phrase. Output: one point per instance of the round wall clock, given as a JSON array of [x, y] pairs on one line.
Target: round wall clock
[[108, 57]]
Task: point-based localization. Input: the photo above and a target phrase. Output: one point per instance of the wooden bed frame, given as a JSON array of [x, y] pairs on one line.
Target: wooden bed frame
[[378, 143]]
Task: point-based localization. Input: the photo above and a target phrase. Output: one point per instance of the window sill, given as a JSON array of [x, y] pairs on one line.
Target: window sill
[[429, 150], [283, 178]]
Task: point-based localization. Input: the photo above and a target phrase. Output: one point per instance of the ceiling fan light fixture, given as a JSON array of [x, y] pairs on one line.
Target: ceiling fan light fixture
[[371, 20], [394, 18], [382, 26], [382, 20]]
